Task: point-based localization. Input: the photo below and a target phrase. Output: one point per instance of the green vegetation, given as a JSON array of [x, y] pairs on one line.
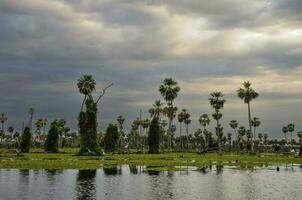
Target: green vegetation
[[153, 137], [37, 159], [87, 120], [57, 128], [83, 149], [111, 138], [25, 140]]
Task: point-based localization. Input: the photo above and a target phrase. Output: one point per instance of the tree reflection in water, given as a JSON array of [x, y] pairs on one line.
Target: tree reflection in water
[[112, 170], [86, 185]]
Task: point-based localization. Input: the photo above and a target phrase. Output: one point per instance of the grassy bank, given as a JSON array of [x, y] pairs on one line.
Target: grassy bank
[[37, 159]]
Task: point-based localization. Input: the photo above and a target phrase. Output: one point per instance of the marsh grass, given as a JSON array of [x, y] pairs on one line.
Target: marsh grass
[[66, 159]]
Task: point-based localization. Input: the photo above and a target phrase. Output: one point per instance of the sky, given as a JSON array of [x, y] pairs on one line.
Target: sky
[[204, 45]]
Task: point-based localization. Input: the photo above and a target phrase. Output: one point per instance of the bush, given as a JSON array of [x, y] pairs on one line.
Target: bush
[[153, 136], [25, 140], [51, 143], [111, 138]]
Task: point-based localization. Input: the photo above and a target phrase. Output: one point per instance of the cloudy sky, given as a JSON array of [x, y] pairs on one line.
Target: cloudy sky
[[205, 45]]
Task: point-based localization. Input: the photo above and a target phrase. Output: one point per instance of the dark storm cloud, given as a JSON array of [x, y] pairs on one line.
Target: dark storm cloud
[[47, 45]]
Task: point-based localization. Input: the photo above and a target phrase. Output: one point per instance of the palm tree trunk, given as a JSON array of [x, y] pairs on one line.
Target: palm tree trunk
[[83, 103], [187, 130], [2, 125], [250, 126], [218, 137], [170, 134], [237, 141], [291, 139]]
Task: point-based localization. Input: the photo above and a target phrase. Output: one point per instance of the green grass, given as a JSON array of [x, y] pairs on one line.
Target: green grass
[[66, 159]]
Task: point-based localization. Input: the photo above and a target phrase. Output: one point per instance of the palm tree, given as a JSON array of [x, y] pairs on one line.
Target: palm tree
[[3, 119], [241, 133], [39, 125], [87, 120], [217, 103], [187, 121], [199, 139], [285, 130], [44, 123], [234, 124], [170, 112], [86, 85], [120, 119], [11, 130], [248, 94], [255, 123], [169, 90], [145, 124], [157, 109], [204, 121], [291, 129]]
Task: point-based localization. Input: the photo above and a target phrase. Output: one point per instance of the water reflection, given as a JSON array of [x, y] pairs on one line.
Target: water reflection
[[116, 170], [133, 169], [151, 171], [86, 186], [213, 182]]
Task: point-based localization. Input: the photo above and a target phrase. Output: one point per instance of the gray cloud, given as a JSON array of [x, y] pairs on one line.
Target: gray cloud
[[47, 45]]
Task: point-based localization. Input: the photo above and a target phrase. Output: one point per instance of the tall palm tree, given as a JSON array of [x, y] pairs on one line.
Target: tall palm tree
[[169, 90], [86, 85], [170, 112], [87, 120], [247, 93], [217, 103], [3, 119], [291, 129], [255, 123], [187, 121]]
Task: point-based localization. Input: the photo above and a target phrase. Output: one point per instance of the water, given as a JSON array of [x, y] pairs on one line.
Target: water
[[134, 182]]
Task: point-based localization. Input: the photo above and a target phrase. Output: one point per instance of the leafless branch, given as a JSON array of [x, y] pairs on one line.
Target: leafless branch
[[103, 92]]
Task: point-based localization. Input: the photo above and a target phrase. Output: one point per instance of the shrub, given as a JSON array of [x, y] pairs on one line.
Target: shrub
[[111, 138], [25, 140], [153, 136]]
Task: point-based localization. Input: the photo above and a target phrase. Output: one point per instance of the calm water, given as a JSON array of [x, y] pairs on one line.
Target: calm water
[[132, 182]]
